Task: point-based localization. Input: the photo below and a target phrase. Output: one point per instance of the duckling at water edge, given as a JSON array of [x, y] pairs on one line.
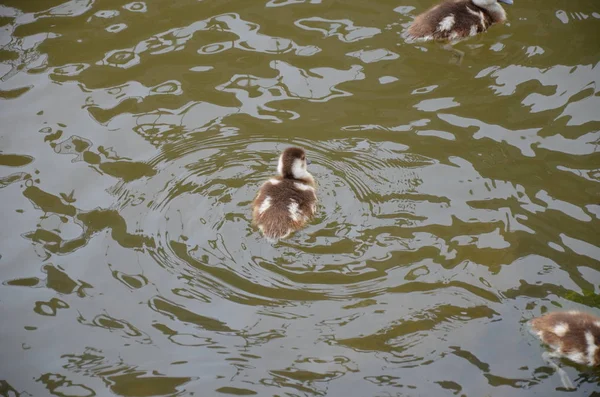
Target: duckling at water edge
[[452, 20], [573, 335], [286, 202]]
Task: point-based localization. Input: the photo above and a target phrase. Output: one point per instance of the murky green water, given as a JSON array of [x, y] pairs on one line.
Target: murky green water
[[456, 201]]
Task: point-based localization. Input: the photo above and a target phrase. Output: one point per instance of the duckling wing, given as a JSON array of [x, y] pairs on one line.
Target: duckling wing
[[283, 206]]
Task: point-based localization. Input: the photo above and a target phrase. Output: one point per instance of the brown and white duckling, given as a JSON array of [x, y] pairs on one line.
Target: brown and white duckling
[[573, 335], [452, 20], [286, 202]]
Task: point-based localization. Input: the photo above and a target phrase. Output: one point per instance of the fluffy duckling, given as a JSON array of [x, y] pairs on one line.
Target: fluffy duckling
[[452, 20], [285, 203], [573, 335]]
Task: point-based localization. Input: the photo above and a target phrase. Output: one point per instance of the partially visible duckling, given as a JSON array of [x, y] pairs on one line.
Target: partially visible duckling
[[452, 20], [285, 203], [573, 335]]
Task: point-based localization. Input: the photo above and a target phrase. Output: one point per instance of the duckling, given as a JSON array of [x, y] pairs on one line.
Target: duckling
[[573, 335], [286, 202], [452, 20]]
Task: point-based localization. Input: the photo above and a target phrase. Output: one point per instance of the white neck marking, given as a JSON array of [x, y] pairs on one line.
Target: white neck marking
[[280, 165], [492, 6], [299, 169]]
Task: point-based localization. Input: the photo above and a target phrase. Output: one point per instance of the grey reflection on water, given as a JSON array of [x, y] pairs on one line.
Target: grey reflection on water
[[343, 29], [175, 40]]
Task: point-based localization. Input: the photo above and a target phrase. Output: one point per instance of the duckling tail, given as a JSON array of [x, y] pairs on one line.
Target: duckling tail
[[275, 223], [273, 231]]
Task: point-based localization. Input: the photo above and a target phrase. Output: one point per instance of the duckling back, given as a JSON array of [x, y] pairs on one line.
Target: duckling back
[[450, 20], [573, 335], [283, 206]]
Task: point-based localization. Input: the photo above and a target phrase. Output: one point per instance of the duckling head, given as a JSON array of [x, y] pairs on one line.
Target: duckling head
[[292, 164], [494, 8]]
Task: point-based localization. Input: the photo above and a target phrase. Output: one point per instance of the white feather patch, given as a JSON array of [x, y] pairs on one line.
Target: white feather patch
[[295, 212], [591, 347], [274, 181], [265, 205], [447, 23], [480, 15], [473, 12], [597, 324], [577, 357], [303, 186], [482, 19], [561, 329], [473, 31]]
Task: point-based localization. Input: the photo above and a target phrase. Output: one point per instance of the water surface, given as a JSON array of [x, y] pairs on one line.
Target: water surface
[[456, 201]]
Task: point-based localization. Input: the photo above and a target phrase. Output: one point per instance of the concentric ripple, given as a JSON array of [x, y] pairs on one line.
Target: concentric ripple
[[197, 208], [378, 203]]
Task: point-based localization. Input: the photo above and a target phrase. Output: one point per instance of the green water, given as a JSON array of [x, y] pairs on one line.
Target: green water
[[456, 201]]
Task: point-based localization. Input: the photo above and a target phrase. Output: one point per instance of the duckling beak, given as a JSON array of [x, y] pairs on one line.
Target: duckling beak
[[509, 2], [308, 162]]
